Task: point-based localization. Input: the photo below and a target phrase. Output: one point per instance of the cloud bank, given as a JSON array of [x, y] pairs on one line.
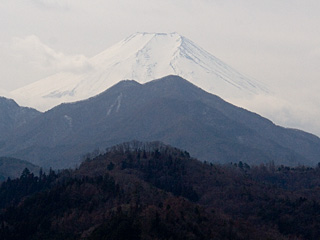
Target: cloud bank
[[295, 114], [38, 55]]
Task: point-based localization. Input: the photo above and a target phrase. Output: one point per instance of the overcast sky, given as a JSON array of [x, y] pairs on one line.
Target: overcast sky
[[276, 42]]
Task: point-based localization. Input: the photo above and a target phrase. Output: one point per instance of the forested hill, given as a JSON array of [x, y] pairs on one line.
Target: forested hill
[[153, 191]]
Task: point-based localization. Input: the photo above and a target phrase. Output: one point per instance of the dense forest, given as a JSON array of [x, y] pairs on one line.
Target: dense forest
[[154, 191]]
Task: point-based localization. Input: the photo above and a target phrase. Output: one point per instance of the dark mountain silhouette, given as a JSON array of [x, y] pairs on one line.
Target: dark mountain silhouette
[[171, 110]]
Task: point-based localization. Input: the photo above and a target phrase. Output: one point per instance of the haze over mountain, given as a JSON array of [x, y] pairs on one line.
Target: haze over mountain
[[171, 110], [12, 168], [141, 57]]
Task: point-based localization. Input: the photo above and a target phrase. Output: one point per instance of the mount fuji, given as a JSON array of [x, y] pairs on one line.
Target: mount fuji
[[141, 57]]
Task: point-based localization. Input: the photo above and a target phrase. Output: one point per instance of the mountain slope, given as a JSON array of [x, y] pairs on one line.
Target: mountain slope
[[171, 110], [13, 116], [141, 57]]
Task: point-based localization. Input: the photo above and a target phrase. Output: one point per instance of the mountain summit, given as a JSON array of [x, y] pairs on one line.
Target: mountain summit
[[141, 57]]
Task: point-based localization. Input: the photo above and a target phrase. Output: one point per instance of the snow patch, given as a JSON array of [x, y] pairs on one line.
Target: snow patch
[[68, 119], [116, 104]]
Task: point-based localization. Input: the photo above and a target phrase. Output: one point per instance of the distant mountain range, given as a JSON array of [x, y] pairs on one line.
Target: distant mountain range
[[171, 110], [142, 57]]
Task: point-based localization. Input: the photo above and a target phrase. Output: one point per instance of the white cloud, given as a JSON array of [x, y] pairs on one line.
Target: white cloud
[[292, 113], [35, 53]]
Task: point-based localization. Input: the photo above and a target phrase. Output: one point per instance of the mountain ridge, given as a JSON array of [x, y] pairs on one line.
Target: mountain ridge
[[171, 110], [12, 116]]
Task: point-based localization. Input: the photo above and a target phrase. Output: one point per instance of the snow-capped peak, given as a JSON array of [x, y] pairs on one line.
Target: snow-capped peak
[[141, 57]]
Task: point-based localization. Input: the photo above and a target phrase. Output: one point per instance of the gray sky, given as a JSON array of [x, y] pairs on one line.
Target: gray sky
[[276, 42]]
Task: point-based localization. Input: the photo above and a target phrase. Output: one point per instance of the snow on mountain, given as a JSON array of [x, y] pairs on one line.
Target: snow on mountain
[[141, 57]]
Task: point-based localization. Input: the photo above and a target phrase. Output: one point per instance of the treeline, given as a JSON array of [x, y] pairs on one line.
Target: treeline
[[13, 191], [153, 191]]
